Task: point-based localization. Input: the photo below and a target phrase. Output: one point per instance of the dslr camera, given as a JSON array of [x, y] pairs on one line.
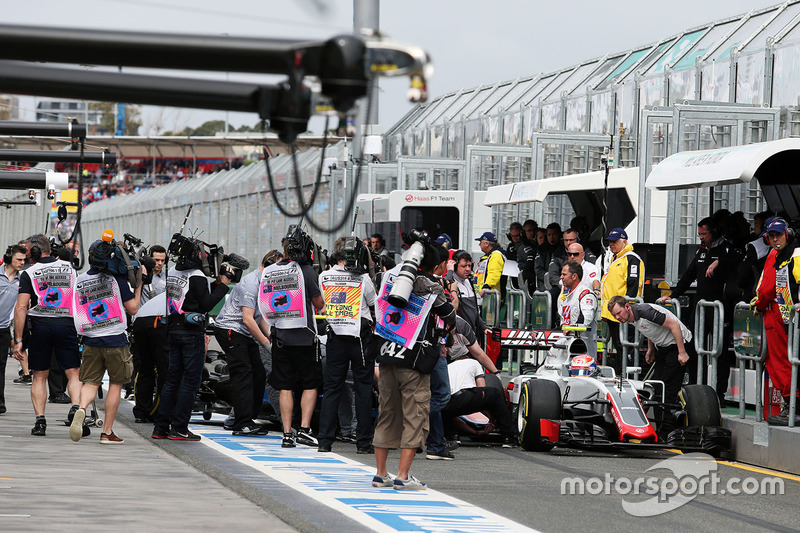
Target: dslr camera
[[404, 282]]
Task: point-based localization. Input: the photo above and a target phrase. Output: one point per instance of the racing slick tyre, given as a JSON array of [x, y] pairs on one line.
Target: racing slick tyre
[[701, 405], [539, 399]]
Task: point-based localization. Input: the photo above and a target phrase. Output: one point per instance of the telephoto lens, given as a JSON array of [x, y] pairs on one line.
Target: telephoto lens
[[404, 282]]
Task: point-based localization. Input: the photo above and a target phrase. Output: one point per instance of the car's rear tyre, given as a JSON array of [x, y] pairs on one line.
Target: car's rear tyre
[[540, 399], [701, 405]]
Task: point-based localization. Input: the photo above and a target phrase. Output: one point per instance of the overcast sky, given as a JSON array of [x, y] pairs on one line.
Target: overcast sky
[[472, 42]]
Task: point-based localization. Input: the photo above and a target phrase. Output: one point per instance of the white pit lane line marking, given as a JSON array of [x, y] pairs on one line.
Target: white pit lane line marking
[[346, 486]]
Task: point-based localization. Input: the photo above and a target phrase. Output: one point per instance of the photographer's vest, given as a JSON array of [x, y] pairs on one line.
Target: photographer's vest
[[98, 309], [342, 292], [282, 296], [783, 291], [401, 326], [53, 284], [178, 287]]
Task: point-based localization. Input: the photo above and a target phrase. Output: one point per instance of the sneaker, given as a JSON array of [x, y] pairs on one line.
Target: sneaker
[[305, 437], [39, 428], [24, 380], [249, 431], [3, 409], [71, 413], [288, 440], [444, 455], [509, 442], [174, 434], [76, 427], [324, 448], [411, 483], [61, 398], [350, 439], [105, 438], [159, 433], [366, 450], [387, 481]]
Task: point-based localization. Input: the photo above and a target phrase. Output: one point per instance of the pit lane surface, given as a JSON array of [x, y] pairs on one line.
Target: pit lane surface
[[52, 483]]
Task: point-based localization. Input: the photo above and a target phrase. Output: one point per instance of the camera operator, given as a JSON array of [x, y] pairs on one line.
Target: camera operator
[[47, 287], [99, 307], [190, 296], [238, 333], [288, 295], [150, 344], [349, 295], [404, 382]]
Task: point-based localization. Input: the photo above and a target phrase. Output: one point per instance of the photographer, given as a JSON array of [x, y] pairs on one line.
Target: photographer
[[99, 307], [237, 331], [47, 287], [190, 296], [404, 382], [150, 344], [349, 295], [287, 298]]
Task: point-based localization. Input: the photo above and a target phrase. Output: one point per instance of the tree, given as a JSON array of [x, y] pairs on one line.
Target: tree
[[105, 125]]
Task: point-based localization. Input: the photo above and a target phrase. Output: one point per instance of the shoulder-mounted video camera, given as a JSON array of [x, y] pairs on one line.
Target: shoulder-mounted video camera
[[137, 250], [209, 258], [114, 258], [358, 258]]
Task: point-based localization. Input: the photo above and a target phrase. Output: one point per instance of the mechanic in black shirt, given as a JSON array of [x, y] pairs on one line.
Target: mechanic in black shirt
[[190, 296], [710, 267], [526, 255], [669, 343]]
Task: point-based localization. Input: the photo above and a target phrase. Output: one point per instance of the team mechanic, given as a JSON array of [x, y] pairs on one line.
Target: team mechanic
[[47, 287], [287, 297], [349, 294], [669, 341], [238, 333], [404, 380], [624, 277], [150, 344], [190, 296], [577, 304], [100, 302], [13, 261]]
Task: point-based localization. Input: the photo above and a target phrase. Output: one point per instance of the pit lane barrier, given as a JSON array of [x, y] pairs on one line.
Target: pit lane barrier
[[633, 345], [516, 317], [701, 339], [749, 345], [794, 344], [490, 308]]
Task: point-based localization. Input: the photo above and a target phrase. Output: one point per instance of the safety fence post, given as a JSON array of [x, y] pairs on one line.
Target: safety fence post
[[541, 310], [717, 332], [490, 308], [674, 306], [749, 345], [794, 344], [515, 307], [630, 345]]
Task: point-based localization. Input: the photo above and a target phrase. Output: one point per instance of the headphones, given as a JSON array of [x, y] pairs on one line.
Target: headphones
[[790, 233], [7, 255], [36, 252]]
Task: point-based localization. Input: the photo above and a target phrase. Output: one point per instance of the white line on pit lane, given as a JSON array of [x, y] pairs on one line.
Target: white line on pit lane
[[345, 486]]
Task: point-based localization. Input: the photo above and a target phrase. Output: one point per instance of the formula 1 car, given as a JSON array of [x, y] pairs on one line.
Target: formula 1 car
[[567, 400]]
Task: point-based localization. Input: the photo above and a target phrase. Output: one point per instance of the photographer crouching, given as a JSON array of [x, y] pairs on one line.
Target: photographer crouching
[[102, 297], [190, 296]]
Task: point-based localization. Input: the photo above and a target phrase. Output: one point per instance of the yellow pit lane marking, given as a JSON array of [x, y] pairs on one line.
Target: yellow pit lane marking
[[756, 469]]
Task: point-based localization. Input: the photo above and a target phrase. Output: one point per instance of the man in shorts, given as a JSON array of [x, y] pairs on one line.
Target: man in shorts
[[46, 288], [99, 307]]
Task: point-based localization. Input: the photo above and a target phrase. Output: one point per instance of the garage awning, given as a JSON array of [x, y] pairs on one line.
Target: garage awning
[[537, 190], [726, 166]]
